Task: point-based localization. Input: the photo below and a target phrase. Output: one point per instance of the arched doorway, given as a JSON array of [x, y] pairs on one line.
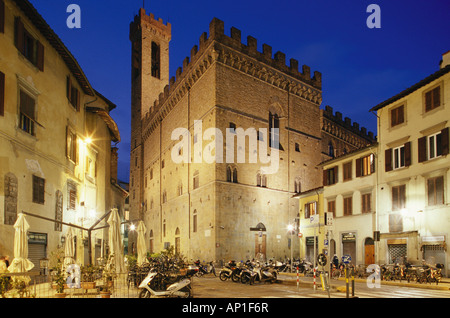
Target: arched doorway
[[260, 241], [369, 251]]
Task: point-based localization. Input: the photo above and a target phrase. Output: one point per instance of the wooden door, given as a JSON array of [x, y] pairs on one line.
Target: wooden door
[[369, 254]]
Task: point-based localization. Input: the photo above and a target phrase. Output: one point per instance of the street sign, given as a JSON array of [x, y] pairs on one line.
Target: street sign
[[346, 259], [322, 259], [325, 242], [314, 219]]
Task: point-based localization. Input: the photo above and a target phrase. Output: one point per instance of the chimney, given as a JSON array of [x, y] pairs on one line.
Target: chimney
[[445, 59], [114, 163]]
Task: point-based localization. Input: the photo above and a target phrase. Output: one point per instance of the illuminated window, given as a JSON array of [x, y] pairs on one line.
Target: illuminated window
[[310, 209]]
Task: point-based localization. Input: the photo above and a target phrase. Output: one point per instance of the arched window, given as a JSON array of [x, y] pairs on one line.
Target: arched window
[[258, 180], [232, 174], [156, 56], [235, 178], [297, 186], [229, 174], [331, 149], [194, 221], [274, 130], [263, 181]]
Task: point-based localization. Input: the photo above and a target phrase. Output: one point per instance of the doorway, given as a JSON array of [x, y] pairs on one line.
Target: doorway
[[369, 251], [260, 246]]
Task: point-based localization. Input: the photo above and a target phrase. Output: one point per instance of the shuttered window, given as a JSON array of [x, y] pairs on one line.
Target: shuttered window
[[398, 198], [310, 209], [435, 190], [2, 94], [433, 99], [365, 165], [330, 176], [73, 94], [348, 206], [31, 48], [27, 113], [398, 157], [434, 145], [38, 190], [397, 116], [2, 16], [347, 171], [366, 203]]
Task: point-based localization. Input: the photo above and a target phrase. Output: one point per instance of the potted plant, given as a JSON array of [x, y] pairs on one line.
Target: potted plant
[[108, 275], [88, 276], [58, 273], [59, 279]]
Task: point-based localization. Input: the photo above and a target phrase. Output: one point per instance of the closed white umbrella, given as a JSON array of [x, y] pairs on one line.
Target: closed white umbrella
[[115, 242], [69, 248], [141, 244], [21, 263]]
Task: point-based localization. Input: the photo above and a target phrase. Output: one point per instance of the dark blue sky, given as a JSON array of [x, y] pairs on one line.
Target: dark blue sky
[[360, 67]]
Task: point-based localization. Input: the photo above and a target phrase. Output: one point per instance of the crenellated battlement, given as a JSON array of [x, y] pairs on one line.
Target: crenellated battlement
[[205, 53], [277, 60], [149, 20], [346, 122]]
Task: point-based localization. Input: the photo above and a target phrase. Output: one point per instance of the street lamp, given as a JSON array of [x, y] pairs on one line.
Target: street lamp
[[291, 228]]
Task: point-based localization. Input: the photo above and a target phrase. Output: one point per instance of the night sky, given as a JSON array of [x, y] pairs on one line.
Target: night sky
[[361, 67]]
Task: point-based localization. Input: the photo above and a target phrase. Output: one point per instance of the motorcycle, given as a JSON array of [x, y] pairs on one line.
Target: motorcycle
[[159, 284], [227, 271], [264, 273], [205, 269], [247, 275]]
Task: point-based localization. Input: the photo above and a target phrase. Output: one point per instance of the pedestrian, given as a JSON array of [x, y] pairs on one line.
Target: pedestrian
[[7, 260]]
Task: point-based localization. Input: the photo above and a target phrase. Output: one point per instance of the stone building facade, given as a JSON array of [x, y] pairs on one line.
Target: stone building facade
[[230, 206], [56, 159]]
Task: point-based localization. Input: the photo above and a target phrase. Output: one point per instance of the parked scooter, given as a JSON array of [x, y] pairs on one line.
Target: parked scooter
[[205, 269], [264, 273], [227, 271], [159, 284], [247, 275]]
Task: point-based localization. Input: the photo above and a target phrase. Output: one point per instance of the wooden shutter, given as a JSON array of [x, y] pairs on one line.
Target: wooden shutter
[[335, 174], [444, 141], [2, 16], [358, 167], [325, 177], [78, 100], [388, 160], [436, 97], [2, 94], [422, 147], [69, 89], [407, 154], [40, 56], [19, 34]]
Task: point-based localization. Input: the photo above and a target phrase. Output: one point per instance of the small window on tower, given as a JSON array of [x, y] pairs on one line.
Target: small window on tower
[[156, 56]]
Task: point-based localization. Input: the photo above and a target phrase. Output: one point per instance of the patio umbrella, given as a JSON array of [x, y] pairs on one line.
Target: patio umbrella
[[21, 263], [115, 242], [69, 248], [141, 244]]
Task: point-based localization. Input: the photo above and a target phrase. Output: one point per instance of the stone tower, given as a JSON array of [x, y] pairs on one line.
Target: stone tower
[[150, 73]]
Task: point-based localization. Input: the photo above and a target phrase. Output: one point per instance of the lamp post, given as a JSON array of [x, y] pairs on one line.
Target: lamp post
[[291, 230]]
